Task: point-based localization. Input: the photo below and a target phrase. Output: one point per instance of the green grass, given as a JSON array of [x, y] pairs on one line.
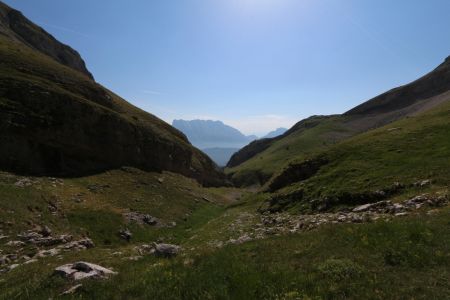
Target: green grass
[[295, 146], [404, 259], [407, 151], [407, 258], [99, 214]]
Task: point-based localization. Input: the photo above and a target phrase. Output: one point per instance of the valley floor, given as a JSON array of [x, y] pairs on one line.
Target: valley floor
[[229, 249]]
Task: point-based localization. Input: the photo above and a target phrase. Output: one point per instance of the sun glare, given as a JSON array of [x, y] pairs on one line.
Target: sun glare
[[259, 6]]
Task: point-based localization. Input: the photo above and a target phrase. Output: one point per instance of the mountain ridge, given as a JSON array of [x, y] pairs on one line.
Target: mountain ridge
[[55, 120], [17, 27], [209, 134], [257, 162]]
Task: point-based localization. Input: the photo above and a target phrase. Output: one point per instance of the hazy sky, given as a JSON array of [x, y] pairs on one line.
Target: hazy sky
[[254, 64]]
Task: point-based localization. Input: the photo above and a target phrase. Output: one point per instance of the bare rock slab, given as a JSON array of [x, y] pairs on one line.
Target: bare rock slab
[[82, 270]]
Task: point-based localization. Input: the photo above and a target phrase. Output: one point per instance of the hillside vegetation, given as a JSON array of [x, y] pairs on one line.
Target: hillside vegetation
[[403, 258], [403, 153], [256, 163], [101, 200]]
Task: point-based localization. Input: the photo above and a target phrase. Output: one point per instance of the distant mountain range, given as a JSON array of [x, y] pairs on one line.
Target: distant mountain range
[[218, 140], [275, 133], [212, 134]]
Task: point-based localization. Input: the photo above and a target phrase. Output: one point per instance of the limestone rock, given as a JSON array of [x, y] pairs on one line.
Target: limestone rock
[[81, 270], [125, 234], [145, 249], [47, 253], [166, 250], [15, 243], [141, 218], [79, 245]]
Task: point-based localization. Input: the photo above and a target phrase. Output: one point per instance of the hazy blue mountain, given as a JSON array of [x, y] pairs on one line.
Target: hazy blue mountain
[[220, 156], [275, 133], [212, 134]]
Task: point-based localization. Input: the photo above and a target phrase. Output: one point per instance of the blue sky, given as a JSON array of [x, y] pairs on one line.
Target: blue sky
[[254, 64]]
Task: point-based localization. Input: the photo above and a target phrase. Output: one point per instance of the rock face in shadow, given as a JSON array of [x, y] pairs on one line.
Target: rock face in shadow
[[17, 27], [296, 172], [55, 120]]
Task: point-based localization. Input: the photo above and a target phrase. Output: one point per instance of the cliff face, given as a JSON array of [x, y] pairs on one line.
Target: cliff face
[[55, 120], [14, 25]]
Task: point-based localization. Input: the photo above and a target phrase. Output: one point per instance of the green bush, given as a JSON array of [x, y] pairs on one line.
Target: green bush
[[340, 269]]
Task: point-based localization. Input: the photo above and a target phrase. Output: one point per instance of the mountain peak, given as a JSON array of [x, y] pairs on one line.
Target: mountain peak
[[15, 26], [212, 134]]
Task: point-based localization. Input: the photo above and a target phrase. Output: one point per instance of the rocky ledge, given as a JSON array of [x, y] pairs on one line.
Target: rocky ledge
[[250, 226], [40, 240]]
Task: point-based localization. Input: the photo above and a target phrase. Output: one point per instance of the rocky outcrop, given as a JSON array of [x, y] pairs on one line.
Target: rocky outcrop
[[82, 270], [300, 197], [39, 244], [248, 227], [296, 172], [125, 234], [158, 250], [166, 250], [140, 218]]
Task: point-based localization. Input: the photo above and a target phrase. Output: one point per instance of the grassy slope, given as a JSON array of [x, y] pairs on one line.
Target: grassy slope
[[295, 146], [302, 140], [21, 63], [407, 258], [30, 75], [104, 198], [416, 148], [404, 259]]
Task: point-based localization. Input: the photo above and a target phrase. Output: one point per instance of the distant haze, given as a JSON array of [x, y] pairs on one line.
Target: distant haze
[[220, 141], [275, 133], [212, 134]]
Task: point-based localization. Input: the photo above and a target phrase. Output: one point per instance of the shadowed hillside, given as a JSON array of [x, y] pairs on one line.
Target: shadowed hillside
[[56, 120], [15, 26]]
